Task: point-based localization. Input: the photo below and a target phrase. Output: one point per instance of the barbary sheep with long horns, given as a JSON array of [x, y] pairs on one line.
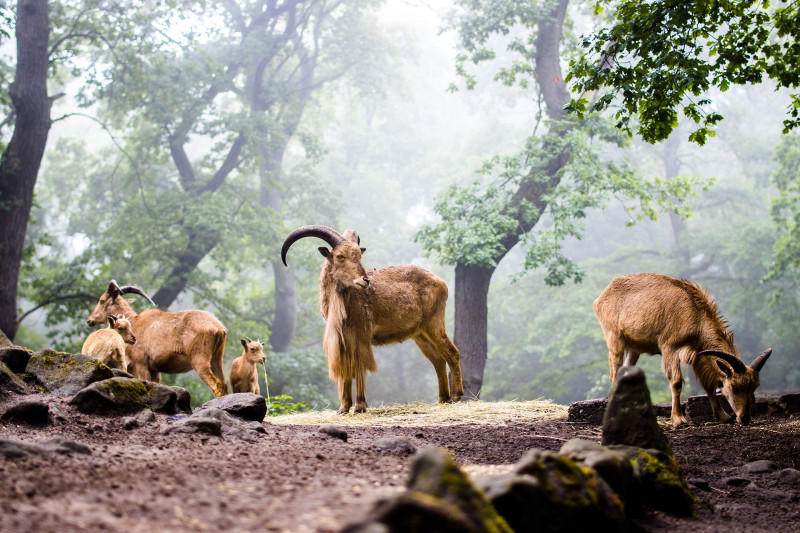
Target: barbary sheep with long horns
[[384, 306], [657, 314], [167, 341]]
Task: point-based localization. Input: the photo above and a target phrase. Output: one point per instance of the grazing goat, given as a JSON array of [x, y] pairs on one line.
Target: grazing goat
[[656, 314], [243, 375], [108, 345], [383, 306], [171, 342]]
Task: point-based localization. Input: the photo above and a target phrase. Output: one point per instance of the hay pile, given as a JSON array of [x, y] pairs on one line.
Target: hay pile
[[426, 414]]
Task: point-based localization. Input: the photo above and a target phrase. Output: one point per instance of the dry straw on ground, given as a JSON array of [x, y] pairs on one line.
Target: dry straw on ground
[[426, 414]]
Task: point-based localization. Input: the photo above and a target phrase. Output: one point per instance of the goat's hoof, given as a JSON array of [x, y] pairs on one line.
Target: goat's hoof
[[360, 409]]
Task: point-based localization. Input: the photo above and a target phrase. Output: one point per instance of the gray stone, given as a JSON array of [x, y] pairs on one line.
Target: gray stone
[[15, 358], [129, 423], [789, 475], [245, 405], [198, 424], [395, 445], [758, 467], [65, 446], [31, 412], [168, 400], [587, 411], [630, 418], [14, 449], [337, 432], [66, 374]]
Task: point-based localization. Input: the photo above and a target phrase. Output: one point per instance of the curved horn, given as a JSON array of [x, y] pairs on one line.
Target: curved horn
[[329, 235], [760, 360], [738, 366], [128, 289]]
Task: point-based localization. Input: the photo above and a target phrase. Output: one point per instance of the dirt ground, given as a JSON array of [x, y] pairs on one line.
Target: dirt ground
[[295, 478]]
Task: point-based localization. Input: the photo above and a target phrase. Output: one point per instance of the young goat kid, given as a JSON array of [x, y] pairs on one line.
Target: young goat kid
[[108, 345], [243, 375]]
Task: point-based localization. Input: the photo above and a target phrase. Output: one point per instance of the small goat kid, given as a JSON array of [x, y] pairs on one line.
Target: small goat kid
[[243, 374], [383, 306], [657, 314], [171, 342], [108, 345]]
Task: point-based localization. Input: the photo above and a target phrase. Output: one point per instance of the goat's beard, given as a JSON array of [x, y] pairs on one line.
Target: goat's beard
[[348, 340]]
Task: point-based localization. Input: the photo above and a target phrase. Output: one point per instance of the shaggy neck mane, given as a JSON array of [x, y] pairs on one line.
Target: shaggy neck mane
[[348, 335], [702, 300]]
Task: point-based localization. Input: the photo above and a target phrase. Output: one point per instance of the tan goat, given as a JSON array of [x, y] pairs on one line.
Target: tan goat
[[108, 345], [171, 342], [384, 306], [243, 374], [657, 314]]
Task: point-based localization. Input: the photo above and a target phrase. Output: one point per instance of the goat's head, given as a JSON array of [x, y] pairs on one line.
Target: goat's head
[[122, 326], [739, 381], [253, 351], [344, 257], [112, 303]]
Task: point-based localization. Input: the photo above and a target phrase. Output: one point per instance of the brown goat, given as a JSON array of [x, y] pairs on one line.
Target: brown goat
[[171, 342], [657, 314], [243, 374], [383, 306], [108, 345]]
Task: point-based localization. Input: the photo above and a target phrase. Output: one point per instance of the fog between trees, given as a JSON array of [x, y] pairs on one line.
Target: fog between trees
[[376, 143]]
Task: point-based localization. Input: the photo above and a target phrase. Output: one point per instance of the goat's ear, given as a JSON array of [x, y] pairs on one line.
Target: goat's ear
[[325, 253], [244, 343], [725, 368], [129, 300], [111, 319], [363, 250]]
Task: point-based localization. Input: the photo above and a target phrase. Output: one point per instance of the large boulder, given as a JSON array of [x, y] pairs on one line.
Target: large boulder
[[120, 396], [4, 342], [112, 397], [630, 418], [552, 493], [440, 498], [65, 374], [246, 405]]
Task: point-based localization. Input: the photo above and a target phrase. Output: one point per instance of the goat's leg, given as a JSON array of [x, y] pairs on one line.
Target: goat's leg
[[445, 347], [439, 365], [219, 388], [216, 369], [361, 393], [672, 369], [616, 353], [345, 395], [716, 409]]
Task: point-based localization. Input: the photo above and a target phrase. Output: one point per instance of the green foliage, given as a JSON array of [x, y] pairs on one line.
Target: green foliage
[[282, 405], [656, 58], [785, 207]]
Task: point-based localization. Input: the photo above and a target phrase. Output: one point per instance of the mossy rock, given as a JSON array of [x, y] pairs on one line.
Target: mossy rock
[[112, 397], [568, 496], [10, 383], [662, 485], [66, 374]]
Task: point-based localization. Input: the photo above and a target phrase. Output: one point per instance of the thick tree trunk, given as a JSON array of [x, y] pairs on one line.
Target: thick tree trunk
[[472, 282], [20, 163], [201, 241], [472, 289], [284, 321]]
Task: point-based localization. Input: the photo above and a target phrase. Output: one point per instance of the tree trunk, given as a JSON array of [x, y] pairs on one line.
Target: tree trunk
[[472, 289], [201, 241], [472, 282], [20, 163], [284, 321]]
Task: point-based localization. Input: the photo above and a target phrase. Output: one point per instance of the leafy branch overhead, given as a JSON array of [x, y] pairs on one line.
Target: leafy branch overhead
[[655, 59]]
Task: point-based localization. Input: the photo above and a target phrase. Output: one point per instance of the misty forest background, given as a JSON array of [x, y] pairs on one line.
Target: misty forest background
[[189, 138]]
